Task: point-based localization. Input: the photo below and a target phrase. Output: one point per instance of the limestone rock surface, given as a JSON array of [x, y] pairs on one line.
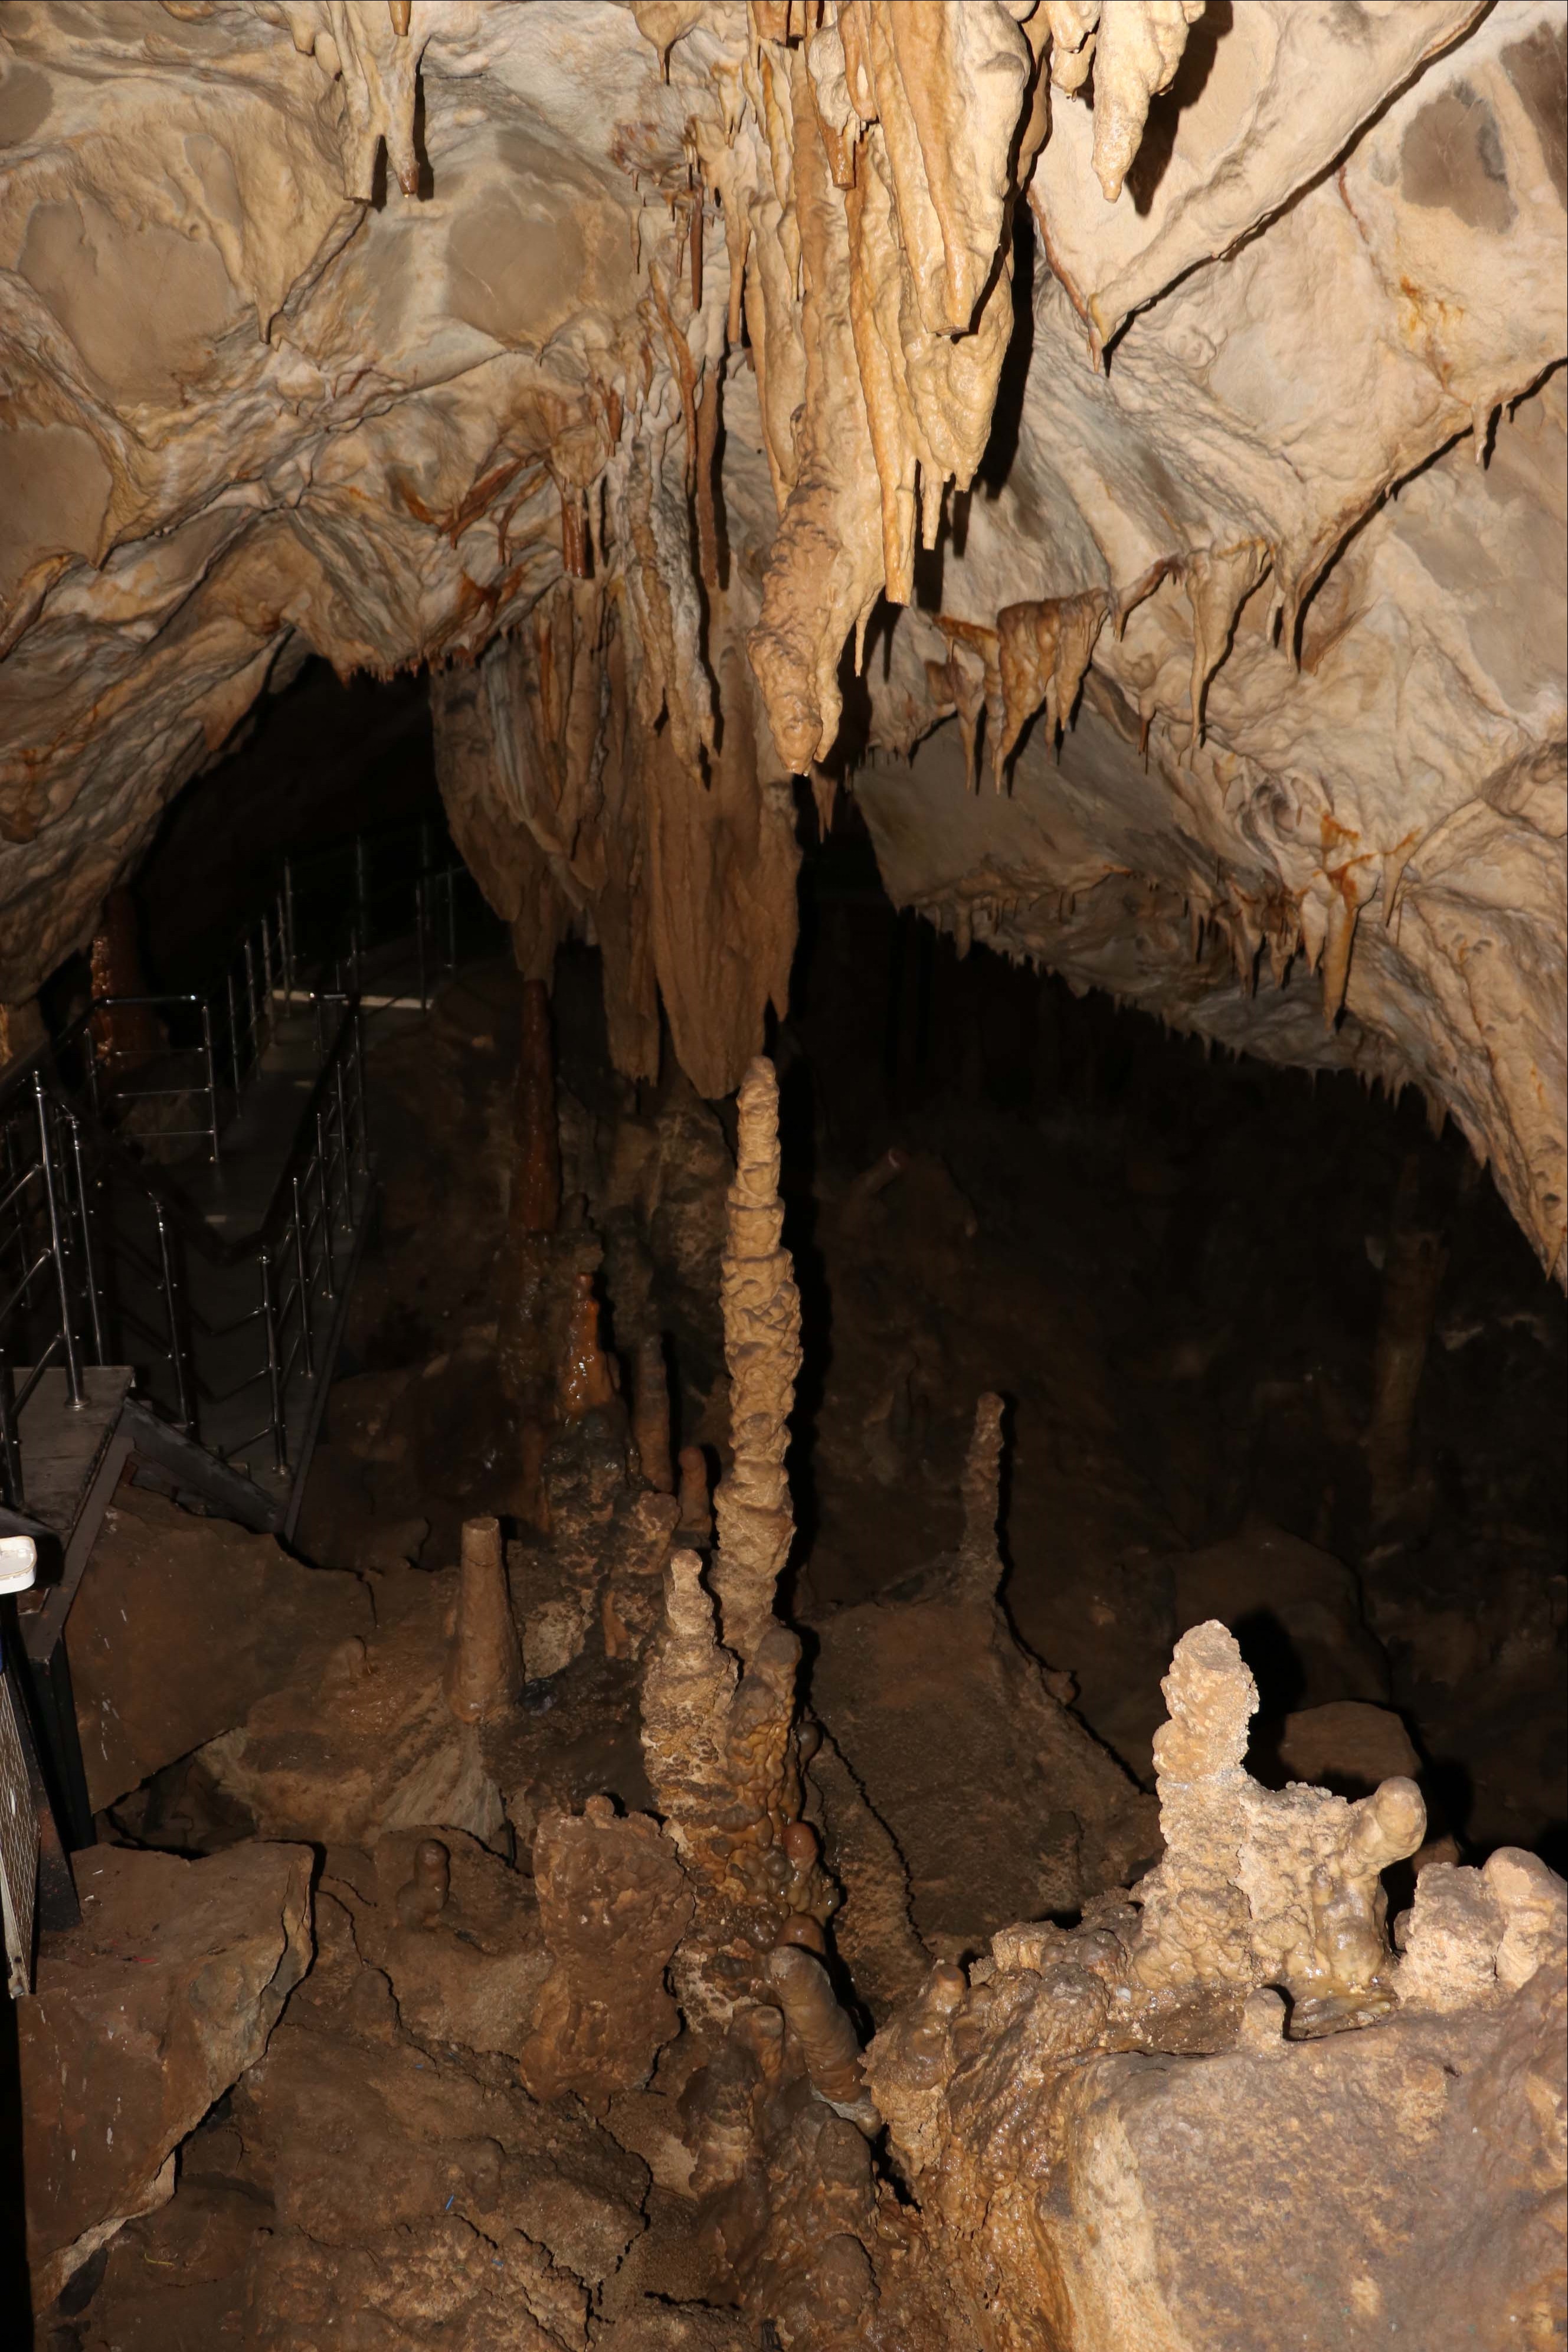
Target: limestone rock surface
[[465, 1968], [143, 2016], [1084, 2117], [367, 1743], [180, 1625], [1117, 374]]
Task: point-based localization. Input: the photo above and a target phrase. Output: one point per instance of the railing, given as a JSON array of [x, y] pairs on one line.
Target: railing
[[204, 1052], [49, 1290], [389, 898], [102, 1258], [193, 1057], [98, 1255]]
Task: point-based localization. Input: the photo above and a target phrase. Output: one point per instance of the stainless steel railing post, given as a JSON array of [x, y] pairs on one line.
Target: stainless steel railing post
[[12, 1491], [302, 1276], [327, 1265], [343, 1138], [85, 1222], [251, 1001], [57, 1240], [273, 1365], [268, 998], [289, 955], [363, 1114], [176, 1330], [211, 1076], [233, 1035]]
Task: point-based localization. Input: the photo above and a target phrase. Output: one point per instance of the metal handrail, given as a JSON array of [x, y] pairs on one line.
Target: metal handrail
[[330, 1158], [63, 1163], [236, 1018]]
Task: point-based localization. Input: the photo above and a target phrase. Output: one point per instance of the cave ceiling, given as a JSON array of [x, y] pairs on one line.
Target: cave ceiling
[[1125, 445]]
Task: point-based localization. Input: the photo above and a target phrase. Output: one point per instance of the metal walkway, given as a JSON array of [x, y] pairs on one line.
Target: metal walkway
[[185, 1187]]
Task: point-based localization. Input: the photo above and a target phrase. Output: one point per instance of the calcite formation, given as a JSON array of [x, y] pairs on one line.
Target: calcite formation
[[646, 2013], [719, 1691], [717, 395], [962, 1745], [1081, 2167], [614, 1904], [484, 1662]]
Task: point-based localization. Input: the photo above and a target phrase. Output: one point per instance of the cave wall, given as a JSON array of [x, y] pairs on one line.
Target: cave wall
[[1114, 376]]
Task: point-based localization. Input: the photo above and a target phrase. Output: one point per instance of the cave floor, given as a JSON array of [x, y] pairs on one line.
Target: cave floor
[[1168, 1266], [1168, 1269]]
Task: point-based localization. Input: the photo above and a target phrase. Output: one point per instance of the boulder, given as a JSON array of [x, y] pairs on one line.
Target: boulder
[[1450, 2246], [1347, 1746], [469, 1970], [1000, 1801], [1296, 1612], [180, 1624], [144, 2015], [369, 1743], [366, 2139]]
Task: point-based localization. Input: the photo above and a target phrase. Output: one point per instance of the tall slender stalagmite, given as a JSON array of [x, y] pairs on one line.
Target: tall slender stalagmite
[[979, 1563], [718, 1701], [762, 1350], [527, 1352], [651, 1415], [536, 1195]]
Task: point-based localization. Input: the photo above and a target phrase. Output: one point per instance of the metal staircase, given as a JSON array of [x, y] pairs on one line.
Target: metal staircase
[[185, 1187]]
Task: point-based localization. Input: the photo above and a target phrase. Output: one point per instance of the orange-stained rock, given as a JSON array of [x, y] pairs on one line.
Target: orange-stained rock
[[614, 1904]]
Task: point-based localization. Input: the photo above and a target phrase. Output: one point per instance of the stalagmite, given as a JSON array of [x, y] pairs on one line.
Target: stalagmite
[[650, 1415], [644, 1971], [484, 1665], [1415, 1258], [421, 1900], [697, 1515], [979, 1565], [762, 1350], [584, 1382], [826, 2035], [127, 1033], [530, 1303]]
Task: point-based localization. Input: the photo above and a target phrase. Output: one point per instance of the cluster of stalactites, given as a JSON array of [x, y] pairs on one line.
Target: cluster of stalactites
[[369, 51], [868, 155]]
